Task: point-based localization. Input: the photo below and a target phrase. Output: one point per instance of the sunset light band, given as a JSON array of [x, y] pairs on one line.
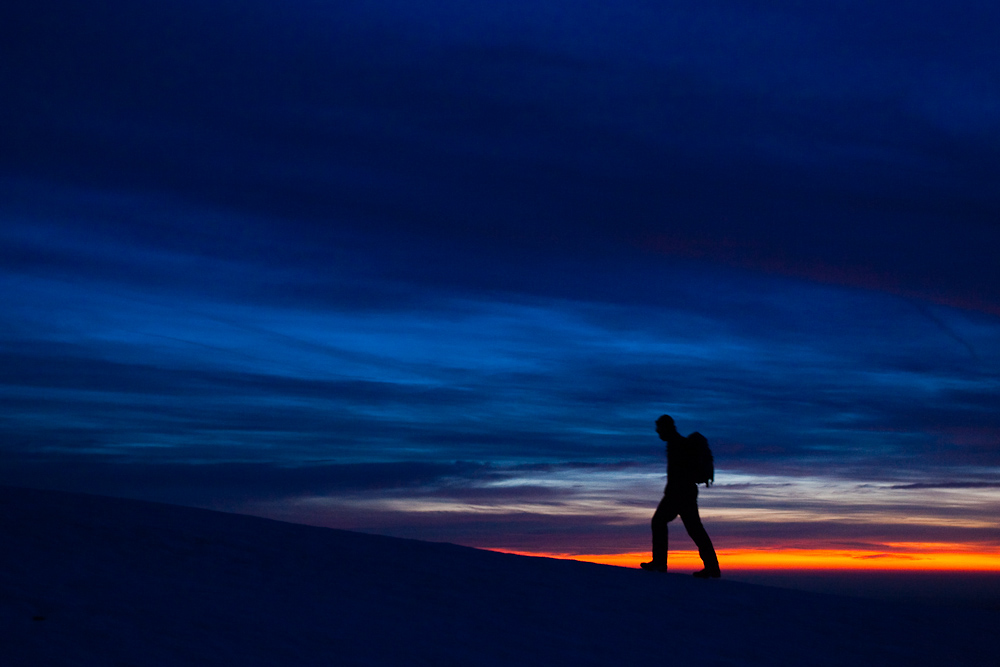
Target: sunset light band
[[807, 559]]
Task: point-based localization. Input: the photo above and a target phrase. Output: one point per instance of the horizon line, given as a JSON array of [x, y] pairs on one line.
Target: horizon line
[[801, 560]]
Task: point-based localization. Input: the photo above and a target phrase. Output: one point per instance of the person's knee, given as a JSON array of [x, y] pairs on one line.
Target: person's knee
[[692, 523]]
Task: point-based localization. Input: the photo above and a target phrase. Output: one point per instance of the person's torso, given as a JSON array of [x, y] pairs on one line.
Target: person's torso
[[679, 464]]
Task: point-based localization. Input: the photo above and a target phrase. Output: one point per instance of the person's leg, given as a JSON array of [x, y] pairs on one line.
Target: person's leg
[[692, 522], [665, 512]]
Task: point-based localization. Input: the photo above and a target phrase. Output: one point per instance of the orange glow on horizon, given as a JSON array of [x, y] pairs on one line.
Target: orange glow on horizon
[[805, 559]]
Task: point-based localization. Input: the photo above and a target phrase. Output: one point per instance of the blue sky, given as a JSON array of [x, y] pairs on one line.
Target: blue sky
[[434, 269]]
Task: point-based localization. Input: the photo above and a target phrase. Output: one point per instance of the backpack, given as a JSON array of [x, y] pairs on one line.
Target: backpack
[[702, 461]]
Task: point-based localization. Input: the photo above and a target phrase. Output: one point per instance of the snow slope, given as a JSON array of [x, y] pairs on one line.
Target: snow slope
[[88, 580]]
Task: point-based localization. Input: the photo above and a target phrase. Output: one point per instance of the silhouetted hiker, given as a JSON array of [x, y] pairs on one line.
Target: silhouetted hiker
[[680, 497]]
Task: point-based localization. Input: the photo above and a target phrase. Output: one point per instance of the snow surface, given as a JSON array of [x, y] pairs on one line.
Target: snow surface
[[88, 580]]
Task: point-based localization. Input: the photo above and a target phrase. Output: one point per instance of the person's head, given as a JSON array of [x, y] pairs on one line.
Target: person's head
[[665, 427]]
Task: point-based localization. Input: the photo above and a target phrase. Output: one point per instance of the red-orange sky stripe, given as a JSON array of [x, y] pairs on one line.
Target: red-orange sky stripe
[[806, 559]]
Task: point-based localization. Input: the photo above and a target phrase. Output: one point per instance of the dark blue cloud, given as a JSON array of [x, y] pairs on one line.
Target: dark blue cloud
[[789, 141]]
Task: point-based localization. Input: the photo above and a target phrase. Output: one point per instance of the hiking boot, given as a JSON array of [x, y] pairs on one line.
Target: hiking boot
[[656, 567], [708, 572]]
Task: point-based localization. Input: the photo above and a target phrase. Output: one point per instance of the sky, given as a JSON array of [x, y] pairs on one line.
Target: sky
[[433, 269]]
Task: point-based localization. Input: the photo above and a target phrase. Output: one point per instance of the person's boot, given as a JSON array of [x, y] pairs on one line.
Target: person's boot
[[710, 571], [653, 565]]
